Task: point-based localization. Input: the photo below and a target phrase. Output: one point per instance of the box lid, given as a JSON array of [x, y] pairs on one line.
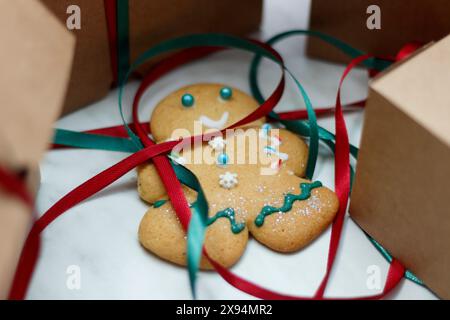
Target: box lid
[[35, 60], [420, 88]]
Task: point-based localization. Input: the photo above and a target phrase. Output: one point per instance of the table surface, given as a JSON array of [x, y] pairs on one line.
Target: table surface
[[99, 236]]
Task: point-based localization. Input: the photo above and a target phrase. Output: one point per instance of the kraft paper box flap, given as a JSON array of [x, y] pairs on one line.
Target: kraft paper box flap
[[401, 22], [402, 178], [422, 96], [35, 62]]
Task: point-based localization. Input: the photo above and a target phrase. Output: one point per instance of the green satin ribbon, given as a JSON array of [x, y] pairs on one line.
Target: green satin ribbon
[[303, 127], [200, 213], [199, 208], [408, 274], [197, 226], [93, 141], [98, 142]]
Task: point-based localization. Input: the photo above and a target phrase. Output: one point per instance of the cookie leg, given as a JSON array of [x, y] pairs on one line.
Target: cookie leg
[[294, 229], [161, 232]]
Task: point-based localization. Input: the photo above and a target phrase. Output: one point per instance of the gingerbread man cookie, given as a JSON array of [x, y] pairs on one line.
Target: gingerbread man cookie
[[251, 177]]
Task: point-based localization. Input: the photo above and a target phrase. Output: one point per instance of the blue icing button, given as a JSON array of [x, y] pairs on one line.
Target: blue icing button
[[222, 159], [226, 93], [266, 127], [187, 100]]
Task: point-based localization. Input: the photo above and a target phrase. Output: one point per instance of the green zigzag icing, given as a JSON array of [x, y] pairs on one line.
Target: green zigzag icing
[[226, 213], [159, 203], [230, 215], [289, 199]]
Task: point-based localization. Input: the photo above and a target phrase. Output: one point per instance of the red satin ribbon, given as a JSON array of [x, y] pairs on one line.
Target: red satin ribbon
[[341, 177], [111, 14], [14, 185], [407, 50], [342, 183], [97, 183], [342, 188], [156, 152], [302, 114], [162, 164]]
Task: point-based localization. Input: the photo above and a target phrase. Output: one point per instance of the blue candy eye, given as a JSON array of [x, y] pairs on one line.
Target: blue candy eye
[[226, 93], [187, 100]]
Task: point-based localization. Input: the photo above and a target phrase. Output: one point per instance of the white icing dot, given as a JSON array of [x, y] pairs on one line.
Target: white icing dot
[[217, 143]]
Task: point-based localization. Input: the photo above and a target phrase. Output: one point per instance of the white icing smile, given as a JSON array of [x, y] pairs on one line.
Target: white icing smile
[[214, 124]]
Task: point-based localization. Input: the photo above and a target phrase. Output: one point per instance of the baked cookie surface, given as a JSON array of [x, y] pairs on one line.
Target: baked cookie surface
[[252, 180]]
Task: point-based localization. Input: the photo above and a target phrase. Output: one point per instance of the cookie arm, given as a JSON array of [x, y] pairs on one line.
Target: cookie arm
[[150, 186], [297, 151]]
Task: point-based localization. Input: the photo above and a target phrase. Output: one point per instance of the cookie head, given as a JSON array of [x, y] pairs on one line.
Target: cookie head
[[200, 107]]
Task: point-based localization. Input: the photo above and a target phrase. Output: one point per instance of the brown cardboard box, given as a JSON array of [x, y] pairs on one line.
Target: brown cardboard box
[[35, 60], [91, 76], [403, 172], [150, 21], [158, 20], [402, 21]]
